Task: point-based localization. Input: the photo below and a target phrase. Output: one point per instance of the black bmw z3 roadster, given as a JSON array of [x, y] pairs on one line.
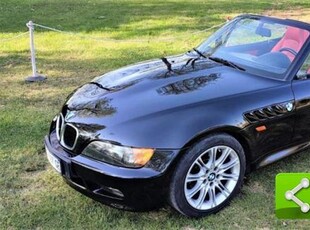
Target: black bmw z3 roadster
[[186, 128]]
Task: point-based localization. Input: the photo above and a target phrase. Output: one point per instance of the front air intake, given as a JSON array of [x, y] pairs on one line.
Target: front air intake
[[70, 136], [67, 134]]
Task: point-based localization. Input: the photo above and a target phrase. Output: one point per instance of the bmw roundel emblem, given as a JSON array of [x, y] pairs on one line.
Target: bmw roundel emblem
[[289, 106], [211, 177]]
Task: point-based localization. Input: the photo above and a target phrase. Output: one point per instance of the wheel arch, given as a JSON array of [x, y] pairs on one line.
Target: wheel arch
[[235, 132]]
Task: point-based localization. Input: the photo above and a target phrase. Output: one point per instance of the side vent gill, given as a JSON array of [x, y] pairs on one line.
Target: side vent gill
[[269, 112]]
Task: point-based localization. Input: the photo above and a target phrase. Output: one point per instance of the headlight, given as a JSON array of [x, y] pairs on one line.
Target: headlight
[[118, 155]]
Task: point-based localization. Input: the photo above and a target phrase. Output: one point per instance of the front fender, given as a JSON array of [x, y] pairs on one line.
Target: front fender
[[173, 129]]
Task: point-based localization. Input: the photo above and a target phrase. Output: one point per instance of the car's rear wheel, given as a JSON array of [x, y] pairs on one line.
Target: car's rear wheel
[[208, 176]]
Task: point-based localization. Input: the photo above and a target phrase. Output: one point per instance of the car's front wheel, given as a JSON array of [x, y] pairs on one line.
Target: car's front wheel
[[208, 176]]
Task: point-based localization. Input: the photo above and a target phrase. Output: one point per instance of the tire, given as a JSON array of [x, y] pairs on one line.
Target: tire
[[200, 187]]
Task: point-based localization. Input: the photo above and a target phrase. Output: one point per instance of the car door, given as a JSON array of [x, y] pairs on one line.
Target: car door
[[301, 89]]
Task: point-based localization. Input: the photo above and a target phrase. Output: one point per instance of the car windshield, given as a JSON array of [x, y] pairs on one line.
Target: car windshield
[[259, 45]]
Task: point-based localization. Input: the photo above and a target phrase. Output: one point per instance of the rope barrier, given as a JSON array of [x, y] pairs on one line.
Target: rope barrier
[[31, 26], [14, 37], [128, 40]]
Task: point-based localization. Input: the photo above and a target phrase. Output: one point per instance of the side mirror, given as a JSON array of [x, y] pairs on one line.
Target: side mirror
[[302, 75]]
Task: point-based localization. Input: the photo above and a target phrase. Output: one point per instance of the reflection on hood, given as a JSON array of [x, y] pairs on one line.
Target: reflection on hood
[[187, 85], [153, 70], [89, 100]]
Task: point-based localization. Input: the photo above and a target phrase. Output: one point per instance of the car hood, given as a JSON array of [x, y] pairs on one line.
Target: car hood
[[148, 90]]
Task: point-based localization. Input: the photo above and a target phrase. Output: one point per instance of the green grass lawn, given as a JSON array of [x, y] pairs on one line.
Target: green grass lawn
[[32, 195]]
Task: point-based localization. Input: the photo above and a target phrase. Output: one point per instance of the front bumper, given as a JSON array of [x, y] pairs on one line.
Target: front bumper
[[131, 189]]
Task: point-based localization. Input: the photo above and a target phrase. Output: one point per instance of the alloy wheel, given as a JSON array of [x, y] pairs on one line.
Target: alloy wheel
[[212, 177]]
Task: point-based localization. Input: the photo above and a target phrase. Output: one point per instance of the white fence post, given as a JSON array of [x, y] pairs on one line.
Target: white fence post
[[35, 76]]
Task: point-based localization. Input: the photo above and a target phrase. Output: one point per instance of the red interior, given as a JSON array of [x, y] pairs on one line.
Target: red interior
[[293, 38]]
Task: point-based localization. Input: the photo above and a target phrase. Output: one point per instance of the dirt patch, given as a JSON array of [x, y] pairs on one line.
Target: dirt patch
[[257, 187], [299, 14]]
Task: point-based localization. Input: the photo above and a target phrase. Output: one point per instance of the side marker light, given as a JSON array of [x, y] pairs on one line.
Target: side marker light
[[261, 128]]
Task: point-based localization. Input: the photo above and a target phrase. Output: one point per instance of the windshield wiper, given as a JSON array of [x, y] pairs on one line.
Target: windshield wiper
[[226, 62], [193, 60], [199, 53], [167, 63]]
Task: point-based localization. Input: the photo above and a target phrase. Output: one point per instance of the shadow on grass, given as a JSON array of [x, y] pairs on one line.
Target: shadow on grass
[[64, 73], [65, 61], [97, 15]]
